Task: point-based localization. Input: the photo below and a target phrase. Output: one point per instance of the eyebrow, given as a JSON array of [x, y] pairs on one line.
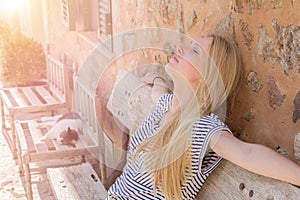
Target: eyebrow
[[198, 45]]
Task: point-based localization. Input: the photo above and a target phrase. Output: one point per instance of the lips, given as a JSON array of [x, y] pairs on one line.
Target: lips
[[175, 58]]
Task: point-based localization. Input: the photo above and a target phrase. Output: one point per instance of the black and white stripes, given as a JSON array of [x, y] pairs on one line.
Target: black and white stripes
[[137, 184]]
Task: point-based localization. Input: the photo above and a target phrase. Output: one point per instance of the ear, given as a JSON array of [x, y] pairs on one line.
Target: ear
[[69, 129]]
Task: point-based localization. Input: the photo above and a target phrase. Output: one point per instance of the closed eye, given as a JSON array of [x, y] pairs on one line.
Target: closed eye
[[195, 51], [195, 47]]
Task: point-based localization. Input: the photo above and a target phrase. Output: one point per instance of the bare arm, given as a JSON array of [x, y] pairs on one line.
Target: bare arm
[[256, 158]]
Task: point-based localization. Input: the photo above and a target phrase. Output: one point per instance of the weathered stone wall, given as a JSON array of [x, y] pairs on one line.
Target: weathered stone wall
[[74, 45], [268, 36], [267, 33]]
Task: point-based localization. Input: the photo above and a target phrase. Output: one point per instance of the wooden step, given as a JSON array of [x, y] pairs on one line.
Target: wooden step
[[78, 182]]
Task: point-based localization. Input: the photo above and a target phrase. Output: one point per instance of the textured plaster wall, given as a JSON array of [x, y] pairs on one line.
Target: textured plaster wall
[[74, 45], [270, 42], [267, 33]]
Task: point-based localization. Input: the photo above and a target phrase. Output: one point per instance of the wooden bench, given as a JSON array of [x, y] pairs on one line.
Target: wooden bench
[[78, 182], [228, 182], [51, 96], [32, 150], [131, 103]]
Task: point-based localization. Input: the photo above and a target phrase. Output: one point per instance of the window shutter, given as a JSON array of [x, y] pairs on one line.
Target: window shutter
[[104, 20], [68, 14]]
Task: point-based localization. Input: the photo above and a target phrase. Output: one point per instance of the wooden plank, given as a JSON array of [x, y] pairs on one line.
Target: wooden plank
[[55, 62], [21, 136], [18, 97], [46, 95], [90, 136], [36, 135], [44, 107], [80, 143], [85, 141], [6, 100], [8, 138], [109, 152], [49, 143], [94, 150], [58, 79], [35, 132], [27, 144], [84, 105], [127, 92], [76, 182], [57, 93], [50, 120], [224, 183], [28, 138], [86, 136], [62, 187], [61, 147], [34, 100], [41, 147]]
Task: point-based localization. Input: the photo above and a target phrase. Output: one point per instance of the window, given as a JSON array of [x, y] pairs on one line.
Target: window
[[86, 15], [68, 14], [105, 22]]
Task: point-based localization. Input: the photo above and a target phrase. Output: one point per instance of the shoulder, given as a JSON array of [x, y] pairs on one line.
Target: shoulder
[[208, 125], [165, 101], [165, 97], [209, 121]]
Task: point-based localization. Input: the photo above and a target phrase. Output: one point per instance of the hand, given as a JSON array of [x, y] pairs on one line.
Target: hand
[[148, 79], [156, 79]]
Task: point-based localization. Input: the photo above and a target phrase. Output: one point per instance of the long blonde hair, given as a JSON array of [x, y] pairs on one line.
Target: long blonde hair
[[167, 154]]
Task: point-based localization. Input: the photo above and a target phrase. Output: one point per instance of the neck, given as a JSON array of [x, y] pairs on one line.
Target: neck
[[183, 94]]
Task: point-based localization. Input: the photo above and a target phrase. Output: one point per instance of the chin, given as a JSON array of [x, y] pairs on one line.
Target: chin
[[169, 70], [173, 74]]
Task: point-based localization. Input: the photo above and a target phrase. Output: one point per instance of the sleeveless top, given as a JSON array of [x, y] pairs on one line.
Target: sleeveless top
[[134, 183]]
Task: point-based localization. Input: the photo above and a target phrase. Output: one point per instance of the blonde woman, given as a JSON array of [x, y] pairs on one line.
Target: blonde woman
[[178, 145]]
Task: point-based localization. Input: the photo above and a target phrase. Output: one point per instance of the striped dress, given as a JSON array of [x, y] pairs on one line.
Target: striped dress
[[134, 183]]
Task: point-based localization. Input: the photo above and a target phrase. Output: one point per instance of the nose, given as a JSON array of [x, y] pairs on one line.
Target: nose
[[180, 50]]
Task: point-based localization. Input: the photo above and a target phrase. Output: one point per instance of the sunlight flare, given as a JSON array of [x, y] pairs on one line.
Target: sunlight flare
[[11, 5]]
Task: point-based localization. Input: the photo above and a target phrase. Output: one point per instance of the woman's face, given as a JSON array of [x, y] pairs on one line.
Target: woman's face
[[188, 64]]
